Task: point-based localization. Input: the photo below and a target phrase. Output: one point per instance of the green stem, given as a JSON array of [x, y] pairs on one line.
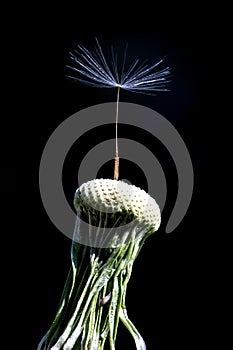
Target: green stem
[[83, 322]]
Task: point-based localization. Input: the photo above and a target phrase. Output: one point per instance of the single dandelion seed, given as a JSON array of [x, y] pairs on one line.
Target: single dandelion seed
[[93, 69]]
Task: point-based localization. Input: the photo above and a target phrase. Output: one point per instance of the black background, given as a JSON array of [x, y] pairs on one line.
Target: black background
[[168, 294]]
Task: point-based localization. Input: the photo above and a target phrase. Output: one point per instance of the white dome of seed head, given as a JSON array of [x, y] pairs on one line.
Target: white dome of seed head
[[111, 196]]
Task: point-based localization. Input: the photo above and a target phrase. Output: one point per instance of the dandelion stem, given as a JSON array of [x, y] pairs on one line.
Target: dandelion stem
[[116, 167]]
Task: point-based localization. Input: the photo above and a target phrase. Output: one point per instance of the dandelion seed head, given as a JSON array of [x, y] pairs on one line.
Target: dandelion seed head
[[111, 196]]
